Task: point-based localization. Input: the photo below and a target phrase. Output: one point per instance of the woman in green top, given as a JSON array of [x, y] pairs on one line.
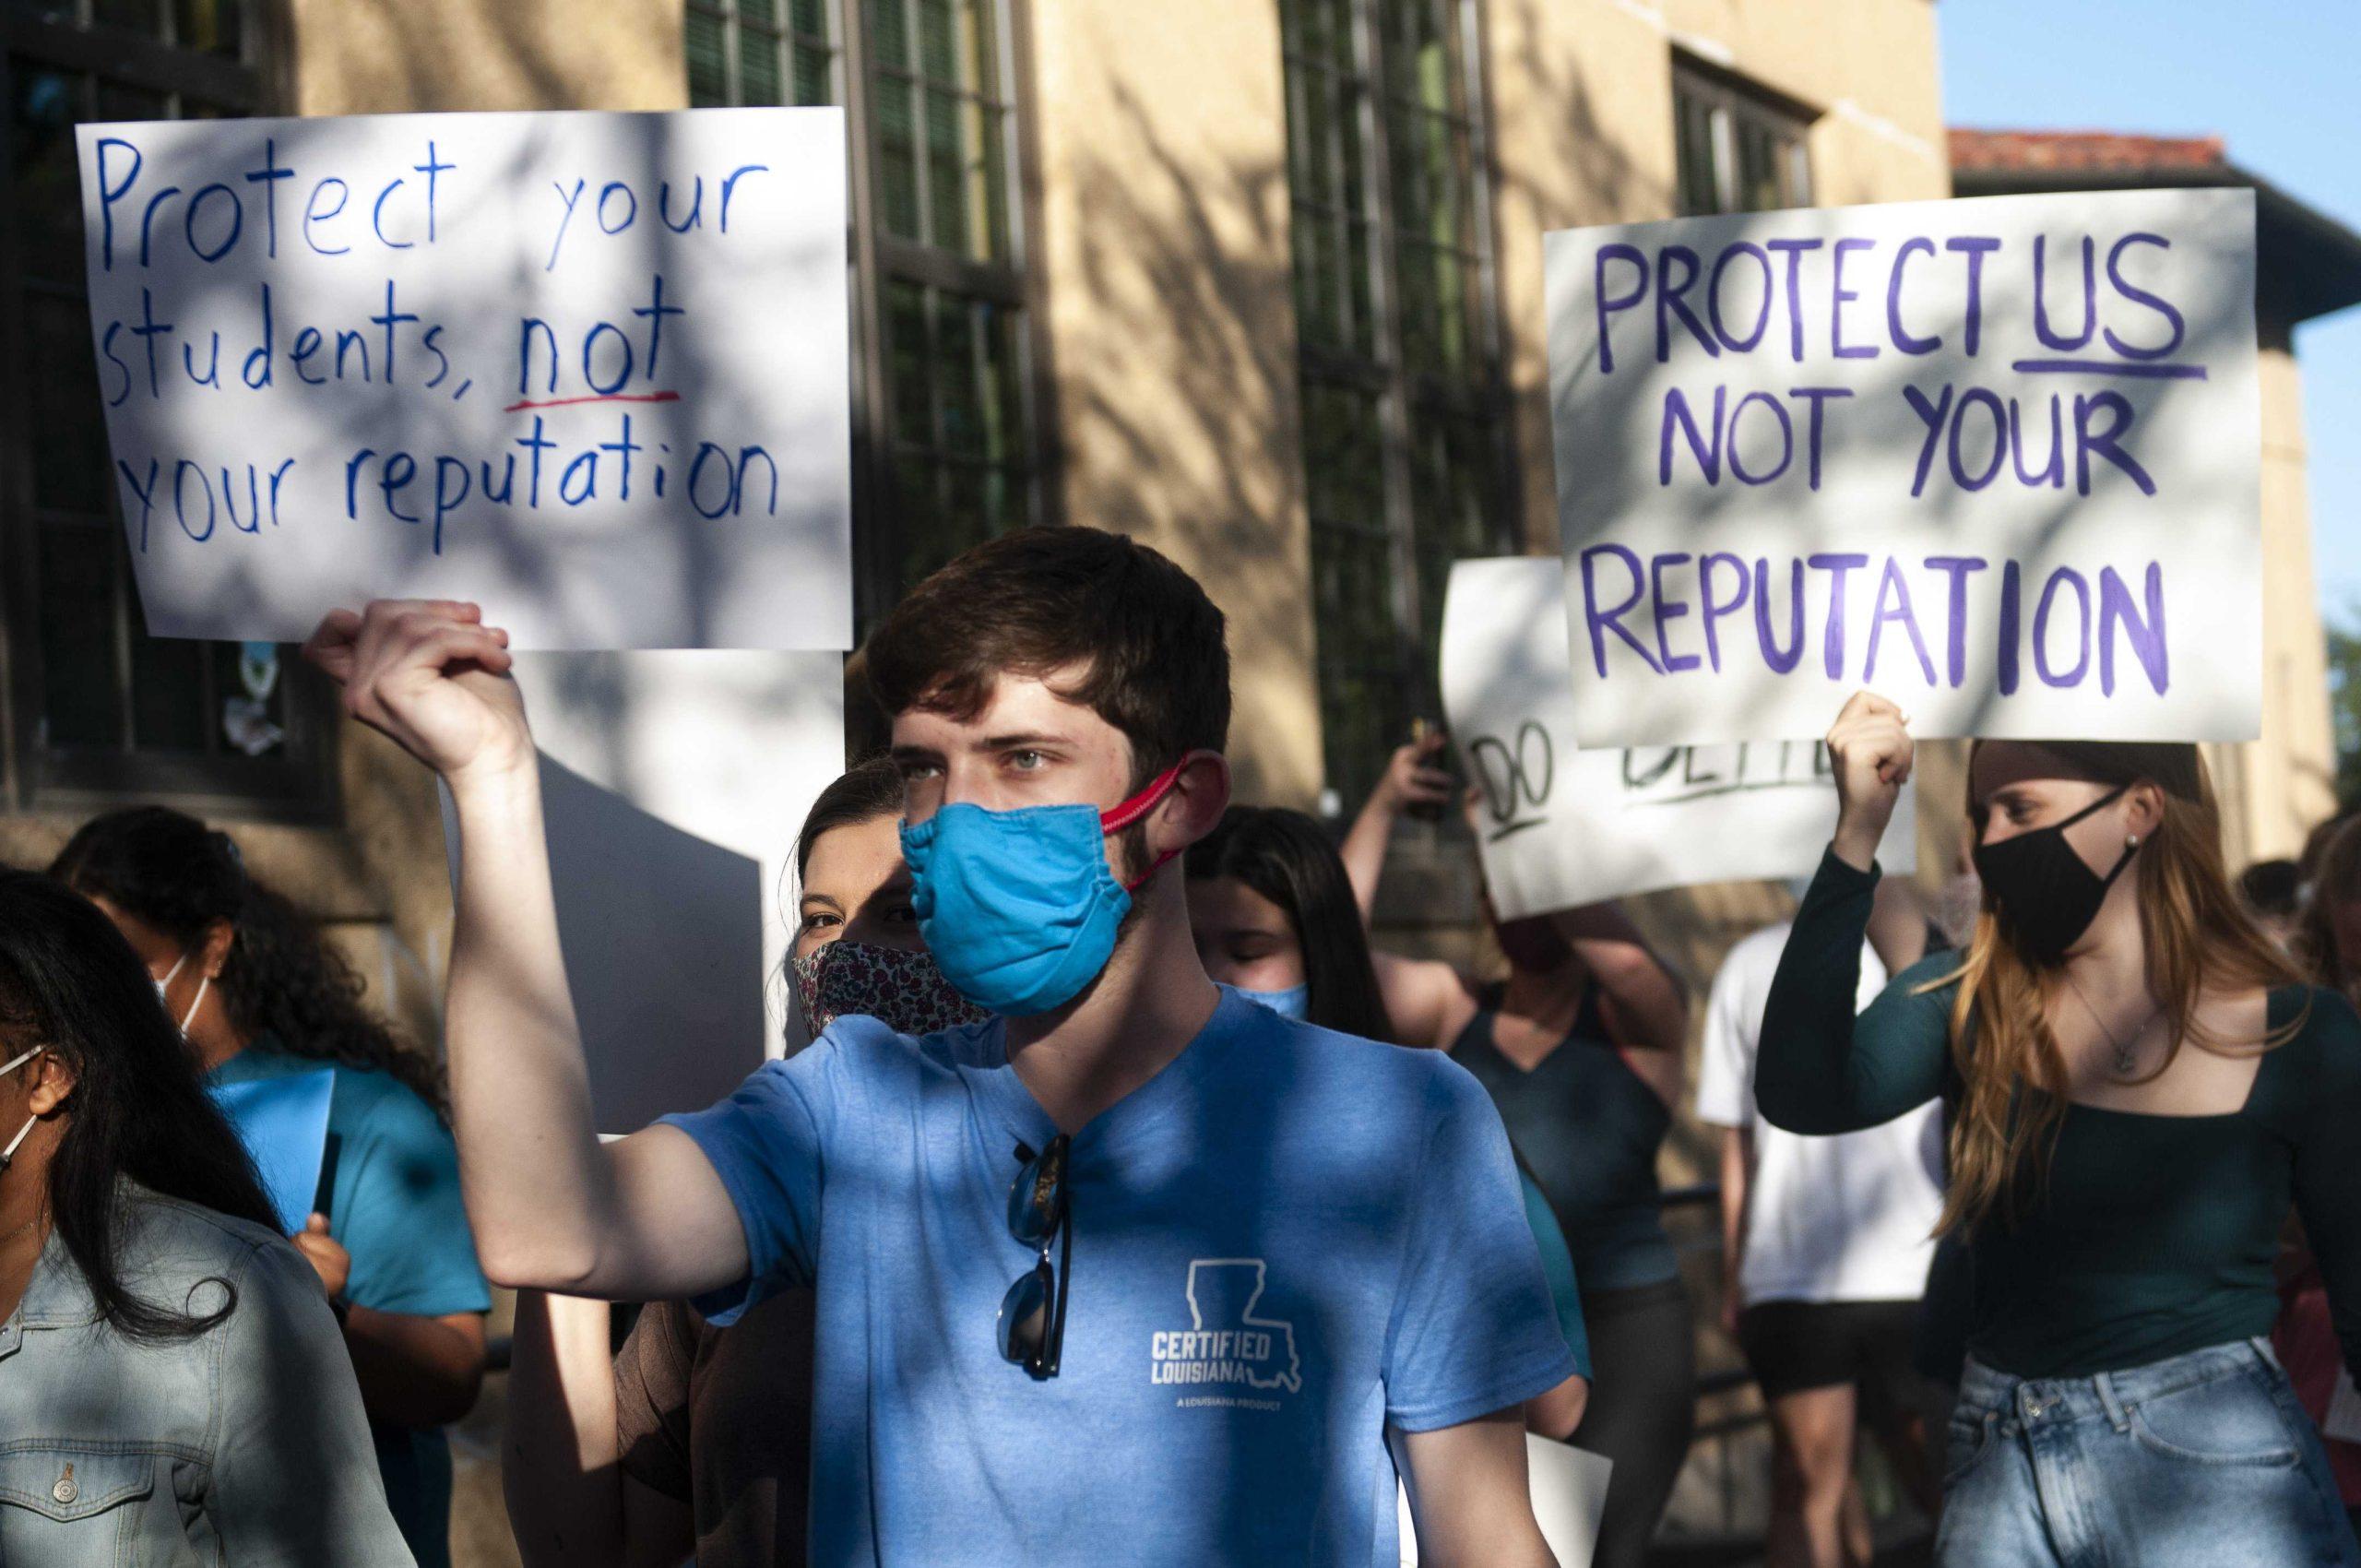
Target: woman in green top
[[2137, 1086]]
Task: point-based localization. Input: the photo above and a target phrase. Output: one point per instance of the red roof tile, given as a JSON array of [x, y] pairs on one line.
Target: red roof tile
[[2087, 151]]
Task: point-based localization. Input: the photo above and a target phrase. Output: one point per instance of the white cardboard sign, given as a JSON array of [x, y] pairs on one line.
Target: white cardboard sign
[[589, 369], [1569, 1488], [674, 784], [1560, 827], [1997, 459]]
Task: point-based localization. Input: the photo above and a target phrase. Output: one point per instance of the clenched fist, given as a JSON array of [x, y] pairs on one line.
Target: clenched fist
[[1870, 744], [428, 673]]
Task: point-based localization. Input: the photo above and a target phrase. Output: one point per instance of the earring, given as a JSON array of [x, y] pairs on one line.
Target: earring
[[2131, 840]]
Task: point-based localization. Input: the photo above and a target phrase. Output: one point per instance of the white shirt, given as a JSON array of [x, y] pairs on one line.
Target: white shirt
[[1847, 1218]]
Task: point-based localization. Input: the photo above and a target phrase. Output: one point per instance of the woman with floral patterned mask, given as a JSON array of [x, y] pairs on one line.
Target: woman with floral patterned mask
[[695, 1438]]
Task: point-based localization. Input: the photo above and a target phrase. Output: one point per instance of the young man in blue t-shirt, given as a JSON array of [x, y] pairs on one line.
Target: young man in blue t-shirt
[[1136, 1272]]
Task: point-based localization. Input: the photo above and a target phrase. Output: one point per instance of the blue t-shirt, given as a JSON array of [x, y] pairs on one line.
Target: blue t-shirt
[[393, 1204], [1283, 1242]]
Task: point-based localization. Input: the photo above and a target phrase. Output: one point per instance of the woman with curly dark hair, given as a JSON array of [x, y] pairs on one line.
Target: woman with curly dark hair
[[259, 994]]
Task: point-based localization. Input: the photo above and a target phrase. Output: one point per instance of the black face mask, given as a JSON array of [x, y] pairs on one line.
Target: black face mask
[[2047, 894]]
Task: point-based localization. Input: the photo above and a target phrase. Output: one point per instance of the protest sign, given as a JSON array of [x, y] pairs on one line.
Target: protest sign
[[1997, 459], [1560, 826], [673, 786], [284, 1125], [587, 369], [1569, 1489]]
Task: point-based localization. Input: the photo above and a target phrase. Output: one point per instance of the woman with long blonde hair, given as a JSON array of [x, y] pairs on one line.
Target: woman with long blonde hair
[[2137, 1086]]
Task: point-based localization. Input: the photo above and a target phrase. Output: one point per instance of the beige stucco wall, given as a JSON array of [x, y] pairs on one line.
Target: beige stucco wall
[[2288, 777], [1164, 263], [1582, 124], [391, 56]]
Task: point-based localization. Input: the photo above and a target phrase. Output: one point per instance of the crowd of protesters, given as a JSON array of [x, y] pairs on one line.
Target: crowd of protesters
[[1128, 1207]]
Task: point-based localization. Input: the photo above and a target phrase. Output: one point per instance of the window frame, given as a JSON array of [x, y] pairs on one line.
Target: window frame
[[1732, 102], [299, 785], [1412, 402], [883, 530]]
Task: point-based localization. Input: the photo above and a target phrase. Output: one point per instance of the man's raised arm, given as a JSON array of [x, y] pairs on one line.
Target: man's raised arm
[[552, 1208]]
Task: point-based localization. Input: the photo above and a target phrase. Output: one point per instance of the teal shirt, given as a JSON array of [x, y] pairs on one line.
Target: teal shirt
[[393, 1204], [1558, 1268], [2155, 1235]]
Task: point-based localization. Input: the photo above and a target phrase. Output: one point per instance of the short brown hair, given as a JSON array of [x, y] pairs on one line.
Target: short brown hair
[[1149, 642], [864, 793]]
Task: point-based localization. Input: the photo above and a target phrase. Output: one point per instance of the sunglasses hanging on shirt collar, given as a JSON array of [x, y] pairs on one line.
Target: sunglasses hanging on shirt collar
[[1033, 1314]]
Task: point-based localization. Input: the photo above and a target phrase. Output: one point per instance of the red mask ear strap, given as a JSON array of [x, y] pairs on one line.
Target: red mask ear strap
[[1139, 805], [1144, 877]]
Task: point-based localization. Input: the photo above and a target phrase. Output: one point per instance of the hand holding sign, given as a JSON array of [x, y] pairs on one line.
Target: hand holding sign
[[431, 675], [1560, 826], [1872, 748]]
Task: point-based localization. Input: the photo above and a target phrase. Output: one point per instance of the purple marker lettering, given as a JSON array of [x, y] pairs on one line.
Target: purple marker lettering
[[1814, 399], [2011, 617], [1672, 299], [1840, 296], [1713, 296], [1601, 622], [1666, 609], [2146, 634], [2041, 328], [1608, 306], [1780, 659], [1794, 250], [1894, 604], [1836, 566], [1708, 454], [1976, 247], [1712, 609], [1908, 343], [1934, 414], [2141, 297], [1956, 568]]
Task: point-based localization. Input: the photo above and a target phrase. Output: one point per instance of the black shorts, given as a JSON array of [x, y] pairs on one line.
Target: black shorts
[[1796, 1345]]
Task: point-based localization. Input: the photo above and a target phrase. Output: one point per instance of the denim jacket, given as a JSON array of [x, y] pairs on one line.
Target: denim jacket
[[242, 1445]]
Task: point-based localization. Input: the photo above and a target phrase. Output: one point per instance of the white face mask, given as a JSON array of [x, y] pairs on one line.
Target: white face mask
[[9, 1153], [163, 990]]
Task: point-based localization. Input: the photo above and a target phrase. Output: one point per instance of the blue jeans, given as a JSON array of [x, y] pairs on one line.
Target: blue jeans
[[2202, 1461]]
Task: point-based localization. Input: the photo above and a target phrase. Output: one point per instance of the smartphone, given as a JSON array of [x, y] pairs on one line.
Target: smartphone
[[1427, 811]]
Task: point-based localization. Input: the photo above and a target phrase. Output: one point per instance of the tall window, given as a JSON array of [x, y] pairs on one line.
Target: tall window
[[1404, 447], [946, 430], [95, 708], [1739, 149]]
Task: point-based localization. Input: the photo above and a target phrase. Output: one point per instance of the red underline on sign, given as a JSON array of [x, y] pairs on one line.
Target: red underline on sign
[[609, 397]]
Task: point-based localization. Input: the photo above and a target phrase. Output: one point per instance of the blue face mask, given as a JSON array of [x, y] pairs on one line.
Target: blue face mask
[[1292, 1002], [1020, 908]]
